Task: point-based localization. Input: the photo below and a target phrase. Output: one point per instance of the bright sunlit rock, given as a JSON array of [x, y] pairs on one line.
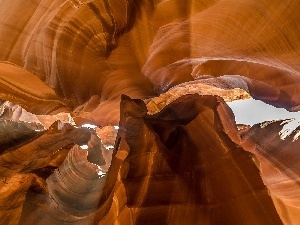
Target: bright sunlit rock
[[108, 147], [89, 126], [84, 146], [101, 173]]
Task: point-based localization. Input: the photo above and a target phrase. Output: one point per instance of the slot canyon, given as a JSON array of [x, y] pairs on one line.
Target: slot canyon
[[122, 112]]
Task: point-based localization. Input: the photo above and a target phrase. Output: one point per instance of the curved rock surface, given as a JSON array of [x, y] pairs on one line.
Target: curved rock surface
[[114, 112]]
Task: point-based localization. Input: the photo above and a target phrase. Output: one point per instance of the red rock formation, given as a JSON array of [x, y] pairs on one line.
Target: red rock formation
[[178, 157], [279, 165]]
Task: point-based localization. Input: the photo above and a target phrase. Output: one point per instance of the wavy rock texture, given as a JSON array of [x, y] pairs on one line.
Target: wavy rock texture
[[279, 163], [178, 160], [28, 164], [178, 157]]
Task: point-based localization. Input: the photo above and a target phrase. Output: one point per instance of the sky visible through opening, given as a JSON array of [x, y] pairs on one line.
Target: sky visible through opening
[[251, 111]]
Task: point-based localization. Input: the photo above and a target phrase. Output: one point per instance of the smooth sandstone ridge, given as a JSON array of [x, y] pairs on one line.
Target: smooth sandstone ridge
[[114, 112]]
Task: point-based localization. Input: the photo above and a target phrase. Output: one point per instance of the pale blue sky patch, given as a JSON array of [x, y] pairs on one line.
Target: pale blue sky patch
[[251, 111]]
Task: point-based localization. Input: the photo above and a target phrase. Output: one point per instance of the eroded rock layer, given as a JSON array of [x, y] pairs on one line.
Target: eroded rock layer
[[178, 160], [114, 112]]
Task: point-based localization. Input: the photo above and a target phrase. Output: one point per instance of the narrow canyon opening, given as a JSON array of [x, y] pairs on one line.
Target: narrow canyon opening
[[251, 112]]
